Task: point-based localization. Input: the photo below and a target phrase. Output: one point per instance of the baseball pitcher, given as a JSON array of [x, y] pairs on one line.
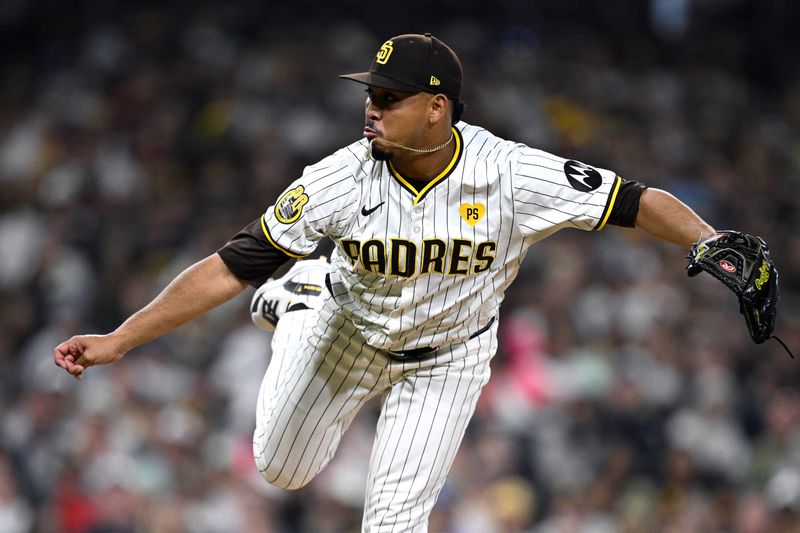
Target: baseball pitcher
[[431, 218]]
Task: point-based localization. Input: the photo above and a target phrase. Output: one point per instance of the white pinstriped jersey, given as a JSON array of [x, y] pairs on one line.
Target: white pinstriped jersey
[[416, 268]]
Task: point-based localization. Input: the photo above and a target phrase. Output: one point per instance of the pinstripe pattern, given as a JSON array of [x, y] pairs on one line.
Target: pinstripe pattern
[[313, 388], [526, 196], [423, 419], [310, 396], [318, 381]]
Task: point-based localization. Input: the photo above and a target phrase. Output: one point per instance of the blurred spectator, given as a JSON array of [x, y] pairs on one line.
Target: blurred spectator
[[16, 514], [135, 139]]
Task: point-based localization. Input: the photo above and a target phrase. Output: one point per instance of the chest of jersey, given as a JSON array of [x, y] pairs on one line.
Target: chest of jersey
[[451, 227]]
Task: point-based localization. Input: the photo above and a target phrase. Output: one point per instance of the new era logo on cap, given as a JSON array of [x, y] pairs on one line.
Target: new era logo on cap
[[413, 63]]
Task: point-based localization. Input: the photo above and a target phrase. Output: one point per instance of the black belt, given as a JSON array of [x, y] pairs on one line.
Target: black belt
[[423, 353]]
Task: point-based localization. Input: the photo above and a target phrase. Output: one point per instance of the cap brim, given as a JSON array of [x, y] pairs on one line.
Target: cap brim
[[377, 80]]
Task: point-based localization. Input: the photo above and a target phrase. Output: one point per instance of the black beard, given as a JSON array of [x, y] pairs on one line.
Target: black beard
[[379, 154]]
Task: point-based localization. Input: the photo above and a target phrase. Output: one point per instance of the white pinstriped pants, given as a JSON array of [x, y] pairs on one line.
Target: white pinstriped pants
[[322, 373]]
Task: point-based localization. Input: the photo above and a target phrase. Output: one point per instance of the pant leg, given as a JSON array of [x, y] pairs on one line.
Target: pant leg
[[320, 375], [422, 422]]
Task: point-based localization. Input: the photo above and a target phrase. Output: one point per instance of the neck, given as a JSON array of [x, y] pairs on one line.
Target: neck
[[427, 166]]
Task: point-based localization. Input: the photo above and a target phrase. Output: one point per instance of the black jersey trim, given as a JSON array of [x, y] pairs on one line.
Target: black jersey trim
[[420, 194], [276, 245], [612, 197]]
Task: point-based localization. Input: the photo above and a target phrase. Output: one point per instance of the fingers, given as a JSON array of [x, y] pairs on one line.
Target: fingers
[[67, 349], [74, 368], [69, 356], [76, 365], [58, 357], [82, 351], [77, 372]]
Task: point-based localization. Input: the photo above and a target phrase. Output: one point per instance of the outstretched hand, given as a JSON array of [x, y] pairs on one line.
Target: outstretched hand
[[82, 351]]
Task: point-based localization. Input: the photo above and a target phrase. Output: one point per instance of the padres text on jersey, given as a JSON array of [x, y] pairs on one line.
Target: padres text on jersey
[[429, 266]]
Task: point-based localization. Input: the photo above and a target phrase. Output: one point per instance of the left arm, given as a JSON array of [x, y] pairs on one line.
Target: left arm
[[738, 260], [664, 216]]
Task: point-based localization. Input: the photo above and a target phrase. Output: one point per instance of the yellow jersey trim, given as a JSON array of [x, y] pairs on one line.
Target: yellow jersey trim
[[419, 195], [275, 244], [610, 206]]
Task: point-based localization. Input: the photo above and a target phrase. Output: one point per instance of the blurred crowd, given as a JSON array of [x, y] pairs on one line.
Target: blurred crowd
[[624, 397]]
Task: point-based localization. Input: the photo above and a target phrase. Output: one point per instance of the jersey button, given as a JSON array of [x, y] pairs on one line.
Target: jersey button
[[416, 229]]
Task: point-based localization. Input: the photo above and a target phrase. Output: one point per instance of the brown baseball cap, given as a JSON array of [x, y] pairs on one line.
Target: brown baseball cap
[[413, 63]]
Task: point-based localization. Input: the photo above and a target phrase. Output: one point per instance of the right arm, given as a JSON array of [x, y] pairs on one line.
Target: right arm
[[201, 287], [249, 258]]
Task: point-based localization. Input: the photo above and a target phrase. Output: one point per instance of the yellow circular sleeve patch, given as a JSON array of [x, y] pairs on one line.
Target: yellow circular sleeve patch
[[290, 206]]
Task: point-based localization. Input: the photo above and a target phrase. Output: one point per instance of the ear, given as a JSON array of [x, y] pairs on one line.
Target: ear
[[438, 108]]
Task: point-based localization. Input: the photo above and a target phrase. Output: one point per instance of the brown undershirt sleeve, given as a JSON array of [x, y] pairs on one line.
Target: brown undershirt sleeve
[[626, 207], [250, 255]]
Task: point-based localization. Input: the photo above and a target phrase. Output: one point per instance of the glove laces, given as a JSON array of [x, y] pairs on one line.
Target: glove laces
[[782, 344]]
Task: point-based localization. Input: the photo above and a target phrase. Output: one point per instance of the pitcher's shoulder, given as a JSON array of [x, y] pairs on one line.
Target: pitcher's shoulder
[[481, 143]]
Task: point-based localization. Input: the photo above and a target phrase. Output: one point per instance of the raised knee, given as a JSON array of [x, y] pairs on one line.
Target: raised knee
[[274, 467], [277, 476]]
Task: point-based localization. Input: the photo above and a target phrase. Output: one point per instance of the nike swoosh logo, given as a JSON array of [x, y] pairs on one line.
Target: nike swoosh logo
[[367, 212]]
